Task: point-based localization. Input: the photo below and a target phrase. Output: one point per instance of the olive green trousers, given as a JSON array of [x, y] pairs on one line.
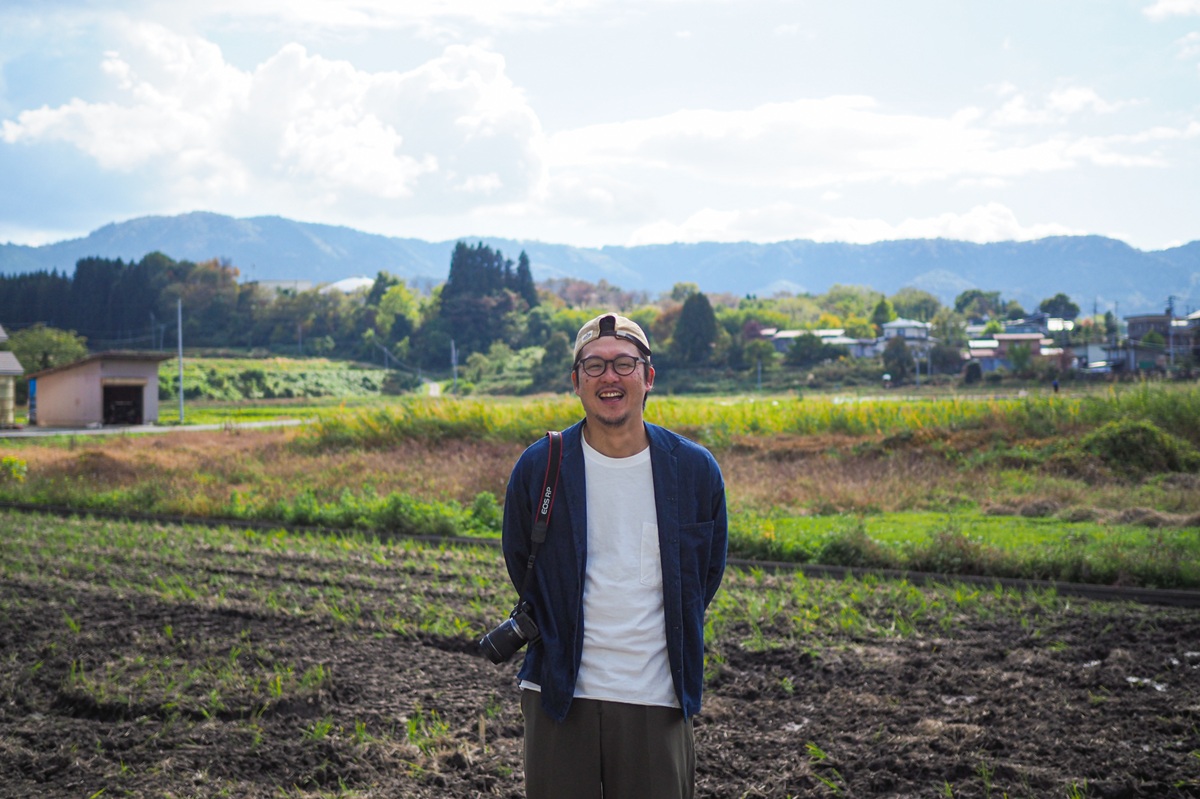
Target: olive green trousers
[[607, 750]]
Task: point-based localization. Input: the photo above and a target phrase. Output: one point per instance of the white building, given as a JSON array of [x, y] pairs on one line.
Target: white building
[[10, 370]]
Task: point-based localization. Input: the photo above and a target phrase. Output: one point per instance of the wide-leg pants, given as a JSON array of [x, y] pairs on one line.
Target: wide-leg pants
[[607, 750]]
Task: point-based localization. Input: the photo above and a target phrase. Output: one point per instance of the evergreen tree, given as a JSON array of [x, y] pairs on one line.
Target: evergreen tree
[[478, 304], [553, 371], [696, 330], [1059, 306], [1111, 328], [883, 313], [976, 304], [809, 350], [383, 281], [911, 303], [524, 281], [897, 360]]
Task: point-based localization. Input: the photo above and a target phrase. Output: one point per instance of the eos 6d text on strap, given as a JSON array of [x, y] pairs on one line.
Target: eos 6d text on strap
[[519, 629]]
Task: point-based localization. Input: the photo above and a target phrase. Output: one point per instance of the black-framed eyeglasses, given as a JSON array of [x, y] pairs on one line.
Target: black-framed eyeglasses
[[623, 365]]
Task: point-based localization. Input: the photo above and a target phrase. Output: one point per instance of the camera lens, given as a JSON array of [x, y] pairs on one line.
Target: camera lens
[[500, 644]]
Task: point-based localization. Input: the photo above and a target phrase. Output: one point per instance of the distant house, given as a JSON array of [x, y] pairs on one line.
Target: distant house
[[349, 285], [782, 340], [1193, 326], [1006, 341], [1179, 337], [916, 336], [1039, 322], [857, 347], [10, 370], [985, 351], [284, 286], [996, 352], [908, 329], [107, 388]]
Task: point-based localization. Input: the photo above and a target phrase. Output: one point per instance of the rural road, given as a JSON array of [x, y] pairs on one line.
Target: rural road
[[41, 432]]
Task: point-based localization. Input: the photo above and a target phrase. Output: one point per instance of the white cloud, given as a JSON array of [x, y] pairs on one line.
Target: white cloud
[[381, 14], [832, 143], [302, 130], [1056, 109], [1189, 46], [1171, 8]]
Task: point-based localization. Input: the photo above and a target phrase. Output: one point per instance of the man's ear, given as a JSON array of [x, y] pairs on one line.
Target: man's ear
[[649, 377], [575, 379]]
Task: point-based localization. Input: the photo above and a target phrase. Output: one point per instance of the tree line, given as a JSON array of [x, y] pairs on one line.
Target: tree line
[[486, 312]]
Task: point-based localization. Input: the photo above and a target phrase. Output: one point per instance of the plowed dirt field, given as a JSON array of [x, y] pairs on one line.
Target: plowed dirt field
[[178, 663]]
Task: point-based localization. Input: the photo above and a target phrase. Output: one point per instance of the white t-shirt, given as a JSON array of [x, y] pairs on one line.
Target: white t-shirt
[[624, 630]]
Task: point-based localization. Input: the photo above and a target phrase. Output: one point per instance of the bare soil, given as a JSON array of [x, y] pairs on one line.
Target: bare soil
[[1104, 702]]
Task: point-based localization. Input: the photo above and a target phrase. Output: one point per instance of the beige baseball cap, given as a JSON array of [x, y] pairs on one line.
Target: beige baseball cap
[[611, 325]]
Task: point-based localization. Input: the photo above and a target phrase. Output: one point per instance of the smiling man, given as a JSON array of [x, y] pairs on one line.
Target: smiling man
[[634, 553]]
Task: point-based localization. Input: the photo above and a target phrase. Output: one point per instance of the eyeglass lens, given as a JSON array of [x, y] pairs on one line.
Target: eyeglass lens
[[623, 366]]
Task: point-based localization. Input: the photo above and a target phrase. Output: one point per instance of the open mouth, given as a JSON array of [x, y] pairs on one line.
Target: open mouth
[[610, 395]]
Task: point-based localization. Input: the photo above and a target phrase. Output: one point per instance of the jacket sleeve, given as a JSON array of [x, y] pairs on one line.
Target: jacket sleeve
[[720, 537], [518, 518]]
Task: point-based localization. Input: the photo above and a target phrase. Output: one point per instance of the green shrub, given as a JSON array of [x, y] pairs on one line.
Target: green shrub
[[853, 547], [397, 382], [1136, 448], [12, 469], [486, 512], [950, 551]]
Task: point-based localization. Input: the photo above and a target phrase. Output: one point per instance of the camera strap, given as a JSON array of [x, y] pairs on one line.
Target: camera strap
[[541, 520]]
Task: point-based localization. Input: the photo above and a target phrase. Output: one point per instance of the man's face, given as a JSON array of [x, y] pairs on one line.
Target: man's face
[[611, 399]]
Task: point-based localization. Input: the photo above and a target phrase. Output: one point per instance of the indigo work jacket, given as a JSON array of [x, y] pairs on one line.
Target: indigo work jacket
[[689, 497]]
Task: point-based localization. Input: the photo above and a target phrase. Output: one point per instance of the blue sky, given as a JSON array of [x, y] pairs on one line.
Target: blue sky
[[594, 122]]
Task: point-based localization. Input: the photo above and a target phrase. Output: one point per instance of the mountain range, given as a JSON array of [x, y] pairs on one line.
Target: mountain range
[[1096, 272]]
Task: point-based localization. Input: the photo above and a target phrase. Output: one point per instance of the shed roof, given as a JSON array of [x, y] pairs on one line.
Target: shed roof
[[115, 355], [9, 365]]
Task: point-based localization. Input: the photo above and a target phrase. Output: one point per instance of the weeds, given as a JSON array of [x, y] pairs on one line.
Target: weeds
[[426, 730], [823, 769]]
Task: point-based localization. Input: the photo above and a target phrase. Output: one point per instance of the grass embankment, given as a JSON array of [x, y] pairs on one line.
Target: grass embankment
[[1096, 489]]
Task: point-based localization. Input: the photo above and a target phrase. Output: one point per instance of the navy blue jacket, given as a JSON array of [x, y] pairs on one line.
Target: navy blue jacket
[[689, 495]]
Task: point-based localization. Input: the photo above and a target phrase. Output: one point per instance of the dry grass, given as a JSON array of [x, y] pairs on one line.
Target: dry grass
[[196, 472]]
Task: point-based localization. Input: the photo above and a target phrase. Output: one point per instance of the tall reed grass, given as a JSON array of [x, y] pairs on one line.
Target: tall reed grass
[[718, 421]]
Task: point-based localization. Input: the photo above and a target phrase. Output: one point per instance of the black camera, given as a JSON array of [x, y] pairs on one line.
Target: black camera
[[510, 635]]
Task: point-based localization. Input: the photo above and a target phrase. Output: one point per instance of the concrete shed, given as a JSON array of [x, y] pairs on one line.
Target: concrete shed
[[108, 388]]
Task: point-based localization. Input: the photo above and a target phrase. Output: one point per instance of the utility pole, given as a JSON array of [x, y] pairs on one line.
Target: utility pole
[[454, 365], [1171, 330]]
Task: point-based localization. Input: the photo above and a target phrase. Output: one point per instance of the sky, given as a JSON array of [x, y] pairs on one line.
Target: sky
[[606, 122]]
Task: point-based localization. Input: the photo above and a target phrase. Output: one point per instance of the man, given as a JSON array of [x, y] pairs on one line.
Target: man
[[634, 553]]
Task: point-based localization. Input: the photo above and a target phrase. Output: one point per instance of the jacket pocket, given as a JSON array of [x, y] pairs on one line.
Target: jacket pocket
[[695, 545]]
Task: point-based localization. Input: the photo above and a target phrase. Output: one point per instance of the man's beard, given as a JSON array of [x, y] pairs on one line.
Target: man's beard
[[617, 422]]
